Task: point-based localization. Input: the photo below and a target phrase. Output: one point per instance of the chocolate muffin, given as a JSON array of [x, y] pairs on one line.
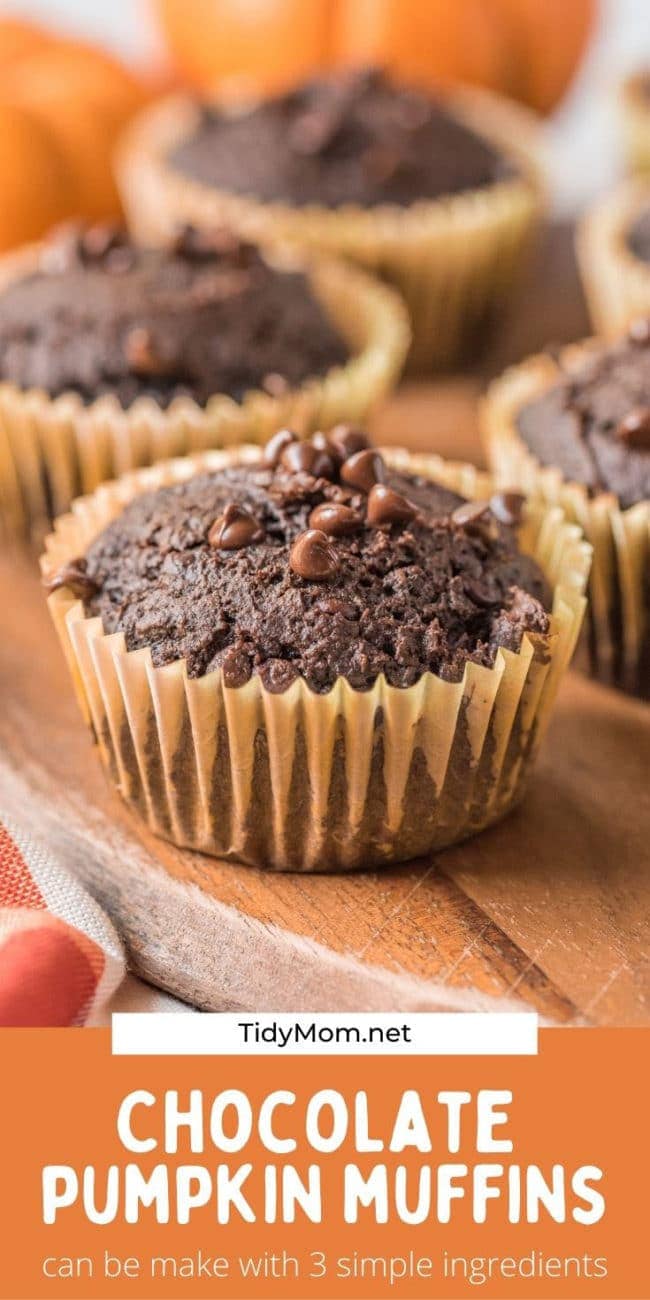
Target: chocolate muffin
[[351, 138], [613, 246], [317, 568], [113, 355], [357, 164], [578, 429], [594, 424], [209, 315], [318, 658]]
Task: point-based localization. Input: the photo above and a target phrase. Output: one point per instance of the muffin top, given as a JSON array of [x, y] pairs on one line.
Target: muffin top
[[316, 561], [594, 425], [638, 235], [209, 315], [349, 138]]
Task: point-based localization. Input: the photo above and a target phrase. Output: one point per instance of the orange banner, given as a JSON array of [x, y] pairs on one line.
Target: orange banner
[[167, 1177]]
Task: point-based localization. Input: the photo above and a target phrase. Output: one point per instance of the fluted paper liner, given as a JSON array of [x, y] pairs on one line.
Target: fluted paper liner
[[617, 631], [635, 117], [52, 449], [316, 782], [616, 283], [453, 258]]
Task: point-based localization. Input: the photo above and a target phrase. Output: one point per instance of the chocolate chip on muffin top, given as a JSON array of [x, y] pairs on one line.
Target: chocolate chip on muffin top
[[348, 138], [301, 565], [210, 315], [594, 425]]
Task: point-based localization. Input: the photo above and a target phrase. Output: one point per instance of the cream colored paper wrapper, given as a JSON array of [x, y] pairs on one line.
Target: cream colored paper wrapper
[[453, 259], [617, 632], [317, 782], [635, 117], [616, 283], [53, 449]]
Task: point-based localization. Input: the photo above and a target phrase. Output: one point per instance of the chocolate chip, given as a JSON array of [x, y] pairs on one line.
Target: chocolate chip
[[120, 260], [303, 457], [639, 331], [276, 445], [363, 470], [100, 239], [380, 163], [275, 385], [314, 131], [483, 593], [62, 251], [235, 528], [73, 575], [471, 514], [335, 520], [321, 442], [388, 507], [142, 355], [413, 112], [204, 245], [313, 557], [345, 440], [507, 507], [634, 429]]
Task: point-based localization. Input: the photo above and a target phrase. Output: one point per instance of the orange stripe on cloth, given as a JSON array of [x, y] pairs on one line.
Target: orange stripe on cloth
[[17, 885], [48, 975]]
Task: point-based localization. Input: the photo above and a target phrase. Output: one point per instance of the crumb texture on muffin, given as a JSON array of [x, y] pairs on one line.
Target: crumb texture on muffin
[[101, 315], [348, 138], [594, 424], [319, 561]]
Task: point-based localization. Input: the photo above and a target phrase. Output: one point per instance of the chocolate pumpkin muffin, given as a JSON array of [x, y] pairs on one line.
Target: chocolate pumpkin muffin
[[209, 315], [353, 138], [577, 428], [354, 163], [145, 350], [336, 643], [316, 569], [613, 245]]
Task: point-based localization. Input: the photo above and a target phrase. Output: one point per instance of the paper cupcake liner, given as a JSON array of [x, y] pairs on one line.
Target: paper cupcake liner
[[616, 283], [312, 782], [617, 629], [453, 259], [53, 449], [635, 120]]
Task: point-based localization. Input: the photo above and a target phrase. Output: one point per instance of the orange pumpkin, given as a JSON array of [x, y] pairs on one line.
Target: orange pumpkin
[[85, 133], [528, 49], [18, 38], [71, 101], [36, 183]]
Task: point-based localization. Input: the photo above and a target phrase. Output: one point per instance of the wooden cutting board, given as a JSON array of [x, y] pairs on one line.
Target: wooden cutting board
[[549, 910]]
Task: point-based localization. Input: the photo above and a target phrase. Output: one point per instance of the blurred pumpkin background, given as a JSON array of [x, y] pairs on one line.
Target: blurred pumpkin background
[[72, 73]]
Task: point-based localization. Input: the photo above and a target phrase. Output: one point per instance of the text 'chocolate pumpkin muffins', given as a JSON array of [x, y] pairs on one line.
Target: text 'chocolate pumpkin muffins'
[[113, 355], [438, 196], [318, 658], [576, 431]]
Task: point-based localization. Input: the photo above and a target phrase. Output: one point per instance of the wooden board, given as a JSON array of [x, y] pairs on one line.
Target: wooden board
[[549, 910]]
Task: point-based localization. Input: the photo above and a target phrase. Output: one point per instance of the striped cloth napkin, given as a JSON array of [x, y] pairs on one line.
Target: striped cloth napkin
[[61, 960]]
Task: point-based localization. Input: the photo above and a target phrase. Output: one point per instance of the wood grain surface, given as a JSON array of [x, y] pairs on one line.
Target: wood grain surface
[[549, 910]]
